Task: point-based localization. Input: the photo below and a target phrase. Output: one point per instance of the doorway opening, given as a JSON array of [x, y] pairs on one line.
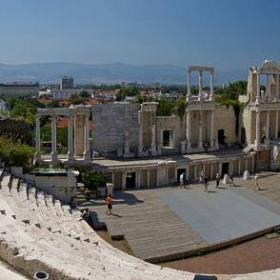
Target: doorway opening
[[130, 180]]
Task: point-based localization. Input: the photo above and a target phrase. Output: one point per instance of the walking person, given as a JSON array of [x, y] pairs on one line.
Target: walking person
[[201, 177], [206, 184], [109, 204], [218, 178], [256, 182], [182, 181]]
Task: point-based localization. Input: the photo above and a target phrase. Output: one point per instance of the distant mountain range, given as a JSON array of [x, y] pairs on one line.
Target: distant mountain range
[[112, 73]]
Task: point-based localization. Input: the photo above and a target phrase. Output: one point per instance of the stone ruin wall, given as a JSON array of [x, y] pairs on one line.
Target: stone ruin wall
[[176, 124], [113, 124], [225, 119]]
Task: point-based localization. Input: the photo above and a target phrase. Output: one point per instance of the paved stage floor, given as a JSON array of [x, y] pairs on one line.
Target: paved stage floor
[[159, 222]]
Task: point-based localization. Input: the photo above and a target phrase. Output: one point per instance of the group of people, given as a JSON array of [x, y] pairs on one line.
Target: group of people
[[229, 179]]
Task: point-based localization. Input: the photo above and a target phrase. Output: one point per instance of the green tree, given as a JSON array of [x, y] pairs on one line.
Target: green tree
[[15, 154], [24, 110], [124, 92], [180, 107], [85, 94], [75, 99], [165, 107], [93, 179]]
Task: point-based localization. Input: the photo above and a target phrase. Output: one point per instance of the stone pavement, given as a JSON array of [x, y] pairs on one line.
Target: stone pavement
[[170, 221]]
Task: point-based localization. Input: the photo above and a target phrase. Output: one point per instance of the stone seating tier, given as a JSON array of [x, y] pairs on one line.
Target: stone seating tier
[[59, 242]]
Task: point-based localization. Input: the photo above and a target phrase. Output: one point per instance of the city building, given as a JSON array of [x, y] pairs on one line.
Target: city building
[[19, 89], [66, 82]]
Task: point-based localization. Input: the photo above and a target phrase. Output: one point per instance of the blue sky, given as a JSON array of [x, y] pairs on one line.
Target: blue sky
[[226, 34]]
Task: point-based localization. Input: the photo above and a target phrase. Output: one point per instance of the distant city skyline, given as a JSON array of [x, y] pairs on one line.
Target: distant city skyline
[[231, 34]]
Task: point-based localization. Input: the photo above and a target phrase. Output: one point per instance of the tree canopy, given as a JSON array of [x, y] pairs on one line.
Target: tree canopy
[[93, 179], [13, 153], [124, 92]]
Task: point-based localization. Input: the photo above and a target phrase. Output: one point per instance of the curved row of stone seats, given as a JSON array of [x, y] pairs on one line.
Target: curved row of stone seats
[[87, 258], [74, 250], [7, 274]]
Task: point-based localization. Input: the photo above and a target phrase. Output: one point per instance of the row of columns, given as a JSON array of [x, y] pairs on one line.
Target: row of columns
[[267, 132], [70, 153], [200, 130], [268, 89], [164, 181], [200, 83]]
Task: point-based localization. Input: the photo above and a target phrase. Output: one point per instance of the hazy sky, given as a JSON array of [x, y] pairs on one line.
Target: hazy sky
[[226, 34]]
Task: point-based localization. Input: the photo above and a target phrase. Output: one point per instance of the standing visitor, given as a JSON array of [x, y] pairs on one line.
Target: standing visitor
[[201, 177], [182, 181], [256, 182], [109, 204], [206, 184], [218, 178]]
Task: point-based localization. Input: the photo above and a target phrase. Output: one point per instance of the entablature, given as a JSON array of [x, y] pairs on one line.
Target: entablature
[[200, 106]]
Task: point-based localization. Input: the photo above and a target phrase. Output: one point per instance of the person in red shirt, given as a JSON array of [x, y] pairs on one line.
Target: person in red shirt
[[109, 204]]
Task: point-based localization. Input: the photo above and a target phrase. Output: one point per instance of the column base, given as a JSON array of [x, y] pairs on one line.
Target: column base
[[37, 158], [87, 156], [212, 144], [70, 158], [257, 144], [217, 146], [54, 158]]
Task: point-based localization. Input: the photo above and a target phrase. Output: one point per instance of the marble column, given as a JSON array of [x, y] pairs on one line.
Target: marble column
[[153, 133], [38, 140], [267, 136], [253, 164], [113, 178], [277, 87], [220, 168], [257, 132], [54, 144], [258, 89], [86, 138], [246, 164], [239, 166], [211, 85], [211, 171], [204, 168], [200, 130], [189, 86], [267, 87], [188, 173], [200, 88], [212, 129], [148, 178], [195, 173], [188, 130], [70, 137], [140, 147], [158, 176], [276, 123], [137, 179], [124, 175]]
